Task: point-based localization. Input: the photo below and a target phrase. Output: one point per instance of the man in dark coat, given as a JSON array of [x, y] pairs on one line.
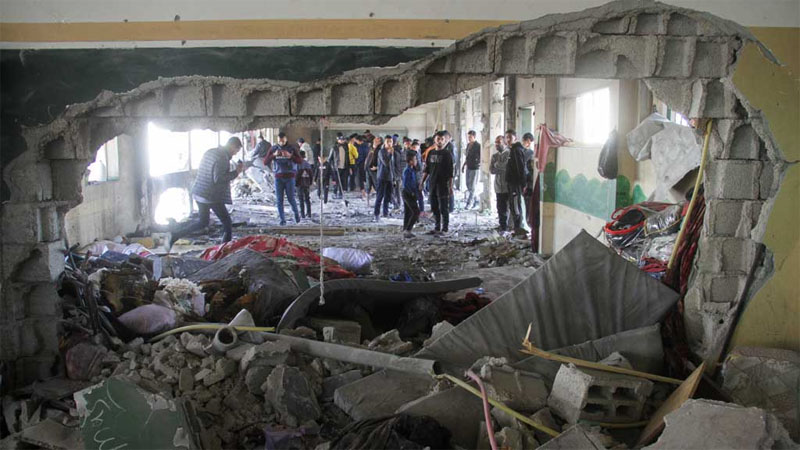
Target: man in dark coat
[[212, 187], [515, 177]]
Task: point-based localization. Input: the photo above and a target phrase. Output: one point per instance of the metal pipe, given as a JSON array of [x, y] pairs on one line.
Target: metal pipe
[[356, 355], [224, 340]]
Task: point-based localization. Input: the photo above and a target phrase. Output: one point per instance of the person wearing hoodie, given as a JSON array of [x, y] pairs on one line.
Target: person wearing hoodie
[[516, 173], [284, 158], [385, 176], [439, 171], [303, 182]]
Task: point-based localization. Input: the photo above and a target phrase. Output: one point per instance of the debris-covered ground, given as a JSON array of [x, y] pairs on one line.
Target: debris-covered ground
[[193, 344]]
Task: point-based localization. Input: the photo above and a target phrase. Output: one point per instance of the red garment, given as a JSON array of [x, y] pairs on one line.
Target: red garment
[[547, 138], [304, 257]]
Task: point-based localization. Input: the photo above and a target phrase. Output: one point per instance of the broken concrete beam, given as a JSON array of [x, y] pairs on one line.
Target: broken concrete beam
[[767, 378], [390, 342], [331, 384], [520, 391], [370, 397], [600, 396], [455, 409], [341, 331], [713, 424], [575, 437], [291, 395]]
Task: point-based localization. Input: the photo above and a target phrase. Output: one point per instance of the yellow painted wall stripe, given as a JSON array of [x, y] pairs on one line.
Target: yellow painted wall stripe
[[243, 29]]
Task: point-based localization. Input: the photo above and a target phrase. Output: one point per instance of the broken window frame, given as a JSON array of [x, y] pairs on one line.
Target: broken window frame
[[106, 154]]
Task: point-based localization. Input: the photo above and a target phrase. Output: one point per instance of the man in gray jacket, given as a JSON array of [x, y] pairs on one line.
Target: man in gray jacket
[[497, 167], [212, 187]]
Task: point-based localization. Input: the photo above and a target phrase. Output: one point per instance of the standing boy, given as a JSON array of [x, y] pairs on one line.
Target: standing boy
[[386, 176], [472, 165], [304, 180], [410, 195], [439, 170]]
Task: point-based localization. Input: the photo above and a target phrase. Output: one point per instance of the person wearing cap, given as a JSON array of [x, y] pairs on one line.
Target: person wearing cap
[[284, 158], [340, 159], [212, 187]]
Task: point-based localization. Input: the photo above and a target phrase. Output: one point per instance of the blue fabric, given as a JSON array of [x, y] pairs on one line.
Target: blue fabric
[[363, 150], [282, 165], [410, 182], [383, 194], [285, 187], [386, 165]]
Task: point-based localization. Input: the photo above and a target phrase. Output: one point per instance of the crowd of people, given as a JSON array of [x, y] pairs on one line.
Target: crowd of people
[[399, 172]]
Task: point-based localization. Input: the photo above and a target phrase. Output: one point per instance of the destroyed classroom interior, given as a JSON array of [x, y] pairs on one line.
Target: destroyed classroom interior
[[637, 289]]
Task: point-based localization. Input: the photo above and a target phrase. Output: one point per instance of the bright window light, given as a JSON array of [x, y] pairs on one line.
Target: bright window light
[[173, 203], [168, 150], [593, 116], [98, 170], [202, 141], [680, 120]]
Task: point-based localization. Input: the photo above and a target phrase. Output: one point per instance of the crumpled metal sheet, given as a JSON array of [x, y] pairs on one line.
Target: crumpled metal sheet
[[584, 292]]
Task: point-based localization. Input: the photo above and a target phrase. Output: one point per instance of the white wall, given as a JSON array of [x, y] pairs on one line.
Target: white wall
[[110, 208]]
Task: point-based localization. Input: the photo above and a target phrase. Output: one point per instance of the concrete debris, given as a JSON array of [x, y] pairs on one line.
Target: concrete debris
[[268, 354], [617, 360], [52, 435], [575, 437], [438, 330], [521, 391], [290, 394], [331, 384], [767, 378], [545, 417], [455, 409], [599, 396], [390, 342], [369, 397], [337, 330], [734, 426]]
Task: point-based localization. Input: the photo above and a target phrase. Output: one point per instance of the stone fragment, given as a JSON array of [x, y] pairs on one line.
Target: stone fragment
[[201, 374], [226, 366], [599, 396], [186, 380], [369, 397], [330, 384], [301, 332], [713, 424], [195, 344], [438, 330], [545, 417], [238, 352], [255, 378], [575, 437], [455, 409], [337, 330], [390, 342], [269, 354], [214, 377], [290, 394], [521, 391]]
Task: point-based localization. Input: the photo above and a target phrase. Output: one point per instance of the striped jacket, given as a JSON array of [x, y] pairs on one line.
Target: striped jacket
[[213, 182]]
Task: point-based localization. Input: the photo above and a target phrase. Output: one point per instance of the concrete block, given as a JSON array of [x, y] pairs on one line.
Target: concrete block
[[30, 183], [268, 354], [49, 223], [598, 63], [545, 417], [67, 176], [268, 103], [733, 179], [345, 331], [618, 25], [575, 437], [720, 102], [40, 299], [745, 144], [37, 336], [309, 103], [725, 288], [555, 55], [20, 223], [394, 97], [594, 395], [455, 409], [9, 345], [514, 56], [765, 378], [331, 384], [431, 88], [369, 398], [734, 426], [676, 57], [732, 218], [684, 96], [59, 149], [711, 59], [649, 23], [291, 396], [147, 105], [44, 263], [225, 101], [474, 59], [724, 254], [681, 25], [442, 64], [185, 101], [351, 99], [521, 391], [769, 183]]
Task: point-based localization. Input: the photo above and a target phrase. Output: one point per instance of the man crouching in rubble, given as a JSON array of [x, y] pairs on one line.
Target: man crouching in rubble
[[212, 187]]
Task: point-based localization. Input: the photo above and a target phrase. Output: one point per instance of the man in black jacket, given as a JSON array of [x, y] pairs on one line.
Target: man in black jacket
[[472, 164], [212, 187], [439, 170], [515, 177]]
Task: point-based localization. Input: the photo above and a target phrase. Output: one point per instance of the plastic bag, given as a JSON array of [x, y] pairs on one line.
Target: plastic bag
[[607, 165], [149, 319], [351, 259], [664, 222], [659, 247]]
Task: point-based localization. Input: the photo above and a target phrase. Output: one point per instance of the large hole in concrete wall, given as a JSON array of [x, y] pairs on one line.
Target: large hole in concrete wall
[[685, 58]]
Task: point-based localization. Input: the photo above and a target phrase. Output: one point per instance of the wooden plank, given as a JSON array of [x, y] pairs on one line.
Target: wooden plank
[[684, 392]]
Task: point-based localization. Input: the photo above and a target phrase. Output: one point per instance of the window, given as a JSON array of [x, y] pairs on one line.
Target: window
[[201, 141], [593, 116], [106, 164], [168, 150]]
